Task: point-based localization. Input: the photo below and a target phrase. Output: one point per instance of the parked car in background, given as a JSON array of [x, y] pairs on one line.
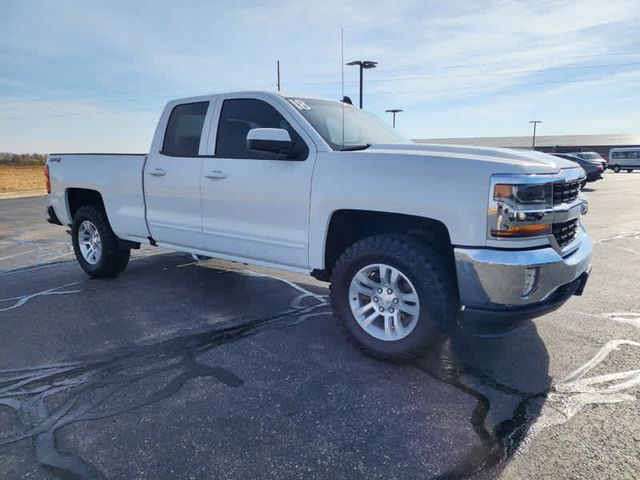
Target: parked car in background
[[592, 167], [624, 159], [592, 156]]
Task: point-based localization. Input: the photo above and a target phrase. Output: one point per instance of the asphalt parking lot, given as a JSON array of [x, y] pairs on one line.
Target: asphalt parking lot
[[184, 369]]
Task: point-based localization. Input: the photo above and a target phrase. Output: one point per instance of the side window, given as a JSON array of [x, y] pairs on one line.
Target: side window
[[184, 130], [238, 116]]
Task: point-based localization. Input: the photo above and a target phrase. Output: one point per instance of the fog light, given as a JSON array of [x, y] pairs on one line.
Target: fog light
[[530, 281], [584, 208]]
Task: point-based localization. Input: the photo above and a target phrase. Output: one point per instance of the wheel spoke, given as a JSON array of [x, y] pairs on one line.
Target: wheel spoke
[[394, 276], [367, 321], [364, 308], [362, 289], [408, 297], [409, 309], [365, 281], [397, 323], [385, 273], [388, 331]]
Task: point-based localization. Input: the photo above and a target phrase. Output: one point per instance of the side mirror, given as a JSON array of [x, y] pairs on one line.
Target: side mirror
[[270, 140]]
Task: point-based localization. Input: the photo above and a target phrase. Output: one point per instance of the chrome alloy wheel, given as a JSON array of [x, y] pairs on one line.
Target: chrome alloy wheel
[[384, 302], [90, 242]]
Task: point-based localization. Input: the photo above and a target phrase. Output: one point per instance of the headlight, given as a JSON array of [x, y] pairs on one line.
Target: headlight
[[519, 209], [524, 196]]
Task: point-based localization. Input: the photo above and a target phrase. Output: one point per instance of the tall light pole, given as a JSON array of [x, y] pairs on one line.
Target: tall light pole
[[394, 111], [364, 64], [535, 124]]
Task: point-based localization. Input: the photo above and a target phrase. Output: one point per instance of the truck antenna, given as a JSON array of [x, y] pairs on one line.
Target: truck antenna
[[278, 69], [342, 74]]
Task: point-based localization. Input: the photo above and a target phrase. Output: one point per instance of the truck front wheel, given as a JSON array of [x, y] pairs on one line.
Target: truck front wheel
[[95, 244], [393, 296]]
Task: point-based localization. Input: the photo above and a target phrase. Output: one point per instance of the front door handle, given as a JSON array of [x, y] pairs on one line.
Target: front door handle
[[158, 172], [216, 175]]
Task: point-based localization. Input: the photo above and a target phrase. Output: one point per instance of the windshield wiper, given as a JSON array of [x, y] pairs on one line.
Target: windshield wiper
[[349, 148]]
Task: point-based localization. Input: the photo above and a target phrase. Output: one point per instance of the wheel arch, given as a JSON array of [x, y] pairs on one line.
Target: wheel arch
[[345, 227], [79, 197]]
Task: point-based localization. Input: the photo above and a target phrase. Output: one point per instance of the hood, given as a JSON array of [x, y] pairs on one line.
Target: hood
[[522, 161]]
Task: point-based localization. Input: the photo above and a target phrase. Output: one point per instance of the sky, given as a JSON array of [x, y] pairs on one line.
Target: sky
[[94, 75]]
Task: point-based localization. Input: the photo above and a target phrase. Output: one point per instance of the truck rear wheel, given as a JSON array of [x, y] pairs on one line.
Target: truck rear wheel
[[393, 296], [95, 244]]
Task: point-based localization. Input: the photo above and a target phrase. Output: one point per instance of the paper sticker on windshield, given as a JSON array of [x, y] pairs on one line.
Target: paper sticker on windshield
[[299, 104]]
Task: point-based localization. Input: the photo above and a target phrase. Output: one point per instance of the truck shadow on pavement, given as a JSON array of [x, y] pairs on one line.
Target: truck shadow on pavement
[[274, 393]]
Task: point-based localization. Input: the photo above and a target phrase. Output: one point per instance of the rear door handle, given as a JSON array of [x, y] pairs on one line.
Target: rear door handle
[[158, 172], [216, 175]]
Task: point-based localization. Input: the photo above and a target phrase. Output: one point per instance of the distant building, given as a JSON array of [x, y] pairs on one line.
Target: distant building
[[549, 143]]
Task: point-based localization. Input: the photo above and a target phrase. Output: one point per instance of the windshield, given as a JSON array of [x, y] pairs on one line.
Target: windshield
[[361, 128]]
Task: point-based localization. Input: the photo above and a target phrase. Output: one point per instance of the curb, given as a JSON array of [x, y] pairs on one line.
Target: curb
[[24, 194]]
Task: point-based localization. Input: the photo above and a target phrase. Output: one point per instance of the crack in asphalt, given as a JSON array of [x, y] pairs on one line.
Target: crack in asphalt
[[20, 301], [618, 236]]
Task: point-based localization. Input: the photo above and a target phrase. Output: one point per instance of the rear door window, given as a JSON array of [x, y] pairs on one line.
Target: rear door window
[[184, 130]]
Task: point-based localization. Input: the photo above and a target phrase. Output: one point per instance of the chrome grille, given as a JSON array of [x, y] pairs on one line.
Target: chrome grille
[[566, 192], [565, 232]]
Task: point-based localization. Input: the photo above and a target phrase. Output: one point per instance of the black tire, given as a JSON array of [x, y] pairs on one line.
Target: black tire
[[425, 268], [629, 170], [616, 168], [113, 260]]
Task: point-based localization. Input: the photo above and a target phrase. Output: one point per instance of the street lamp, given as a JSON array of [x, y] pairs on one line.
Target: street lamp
[[535, 124], [364, 64], [394, 111]]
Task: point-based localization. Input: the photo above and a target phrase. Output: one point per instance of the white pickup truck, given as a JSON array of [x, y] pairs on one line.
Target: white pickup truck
[[414, 238]]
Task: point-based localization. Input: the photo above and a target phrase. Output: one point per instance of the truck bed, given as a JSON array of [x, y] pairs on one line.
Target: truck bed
[[118, 178]]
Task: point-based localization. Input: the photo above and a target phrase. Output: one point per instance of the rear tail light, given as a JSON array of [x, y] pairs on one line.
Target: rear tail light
[[46, 178]]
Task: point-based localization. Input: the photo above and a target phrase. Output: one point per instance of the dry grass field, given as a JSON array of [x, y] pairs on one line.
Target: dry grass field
[[18, 178]]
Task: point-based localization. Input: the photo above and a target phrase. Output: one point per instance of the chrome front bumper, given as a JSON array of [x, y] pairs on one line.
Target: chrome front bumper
[[492, 278]]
